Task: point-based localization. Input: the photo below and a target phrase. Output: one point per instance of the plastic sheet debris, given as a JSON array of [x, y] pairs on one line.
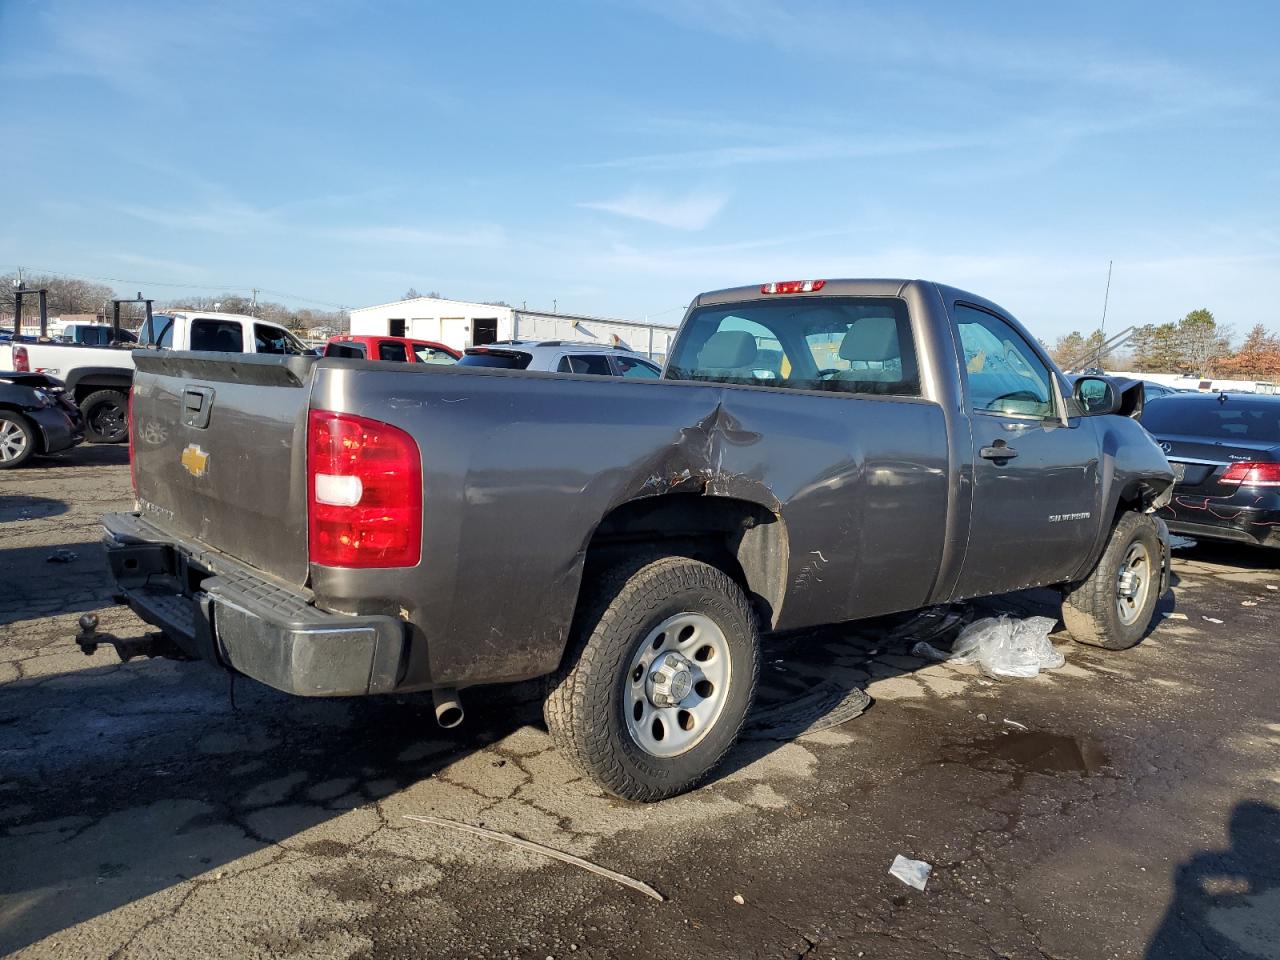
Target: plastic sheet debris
[[1211, 619], [1015, 724], [1248, 603], [1272, 586], [1175, 616], [914, 873], [1181, 543], [1002, 646], [62, 555]]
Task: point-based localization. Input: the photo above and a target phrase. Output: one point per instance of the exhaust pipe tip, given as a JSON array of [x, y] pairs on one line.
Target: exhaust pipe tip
[[449, 712]]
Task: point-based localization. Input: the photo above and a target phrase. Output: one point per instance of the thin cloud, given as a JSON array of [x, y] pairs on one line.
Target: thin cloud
[[694, 211]]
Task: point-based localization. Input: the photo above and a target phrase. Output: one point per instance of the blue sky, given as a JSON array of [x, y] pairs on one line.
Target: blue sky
[[619, 157]]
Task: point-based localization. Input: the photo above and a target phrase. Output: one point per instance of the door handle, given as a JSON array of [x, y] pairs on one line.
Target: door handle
[[999, 450]]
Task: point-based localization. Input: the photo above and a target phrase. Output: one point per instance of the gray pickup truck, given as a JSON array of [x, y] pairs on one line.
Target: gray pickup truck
[[816, 452]]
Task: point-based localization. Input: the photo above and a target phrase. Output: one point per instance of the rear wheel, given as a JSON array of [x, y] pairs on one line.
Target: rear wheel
[[1112, 608], [17, 439], [106, 416], [659, 677]]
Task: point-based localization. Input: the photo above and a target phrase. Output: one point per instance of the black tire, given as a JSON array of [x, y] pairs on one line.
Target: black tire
[[18, 439], [587, 697], [1092, 608], [106, 416]]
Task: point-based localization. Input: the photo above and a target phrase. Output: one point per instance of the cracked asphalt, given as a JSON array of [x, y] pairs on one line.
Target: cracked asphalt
[[154, 809]]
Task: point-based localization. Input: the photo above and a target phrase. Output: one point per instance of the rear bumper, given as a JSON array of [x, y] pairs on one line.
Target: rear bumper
[[220, 610], [1255, 520], [58, 430]]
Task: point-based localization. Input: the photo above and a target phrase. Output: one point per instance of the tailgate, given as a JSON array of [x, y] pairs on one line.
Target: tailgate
[[220, 455]]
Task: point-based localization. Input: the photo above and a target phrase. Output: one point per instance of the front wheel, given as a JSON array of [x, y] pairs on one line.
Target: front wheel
[[1112, 608], [658, 679], [106, 416]]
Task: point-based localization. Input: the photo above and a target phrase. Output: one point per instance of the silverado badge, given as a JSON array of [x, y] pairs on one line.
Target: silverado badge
[[195, 460]]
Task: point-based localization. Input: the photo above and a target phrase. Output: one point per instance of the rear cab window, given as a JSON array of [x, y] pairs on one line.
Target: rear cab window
[[857, 345], [351, 351]]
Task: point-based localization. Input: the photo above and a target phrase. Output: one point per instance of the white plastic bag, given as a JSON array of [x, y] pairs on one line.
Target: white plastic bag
[[1005, 647]]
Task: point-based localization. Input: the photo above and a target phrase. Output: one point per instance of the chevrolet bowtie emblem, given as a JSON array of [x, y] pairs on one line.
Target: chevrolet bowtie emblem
[[194, 460]]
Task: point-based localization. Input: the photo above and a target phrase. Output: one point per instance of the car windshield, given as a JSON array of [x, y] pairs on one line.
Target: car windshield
[[841, 344], [1235, 418], [502, 359]]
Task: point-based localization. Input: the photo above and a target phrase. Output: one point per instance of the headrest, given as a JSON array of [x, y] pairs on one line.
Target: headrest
[[871, 339], [728, 348]]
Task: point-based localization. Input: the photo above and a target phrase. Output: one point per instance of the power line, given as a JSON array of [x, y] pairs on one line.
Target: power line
[[186, 286]]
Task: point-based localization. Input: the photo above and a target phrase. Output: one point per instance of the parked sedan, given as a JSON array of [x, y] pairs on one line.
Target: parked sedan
[[1225, 453], [37, 416]]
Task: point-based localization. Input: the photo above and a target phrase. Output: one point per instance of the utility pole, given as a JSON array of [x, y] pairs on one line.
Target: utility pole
[[254, 309]]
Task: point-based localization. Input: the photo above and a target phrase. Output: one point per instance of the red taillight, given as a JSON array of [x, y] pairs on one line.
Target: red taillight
[[794, 286], [1253, 474], [133, 469], [364, 492], [21, 364]]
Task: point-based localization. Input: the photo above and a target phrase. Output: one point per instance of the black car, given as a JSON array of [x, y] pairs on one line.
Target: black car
[[1225, 453], [37, 415]]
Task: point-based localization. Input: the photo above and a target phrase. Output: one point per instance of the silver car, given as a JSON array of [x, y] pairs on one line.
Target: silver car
[[562, 356]]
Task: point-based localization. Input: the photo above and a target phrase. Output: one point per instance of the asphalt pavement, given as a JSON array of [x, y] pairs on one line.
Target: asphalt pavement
[[1124, 805]]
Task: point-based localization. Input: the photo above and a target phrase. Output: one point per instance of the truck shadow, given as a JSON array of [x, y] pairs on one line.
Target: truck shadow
[[1226, 903], [121, 780], [117, 782]]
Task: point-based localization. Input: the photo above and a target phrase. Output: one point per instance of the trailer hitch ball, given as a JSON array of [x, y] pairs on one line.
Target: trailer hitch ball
[[87, 638]]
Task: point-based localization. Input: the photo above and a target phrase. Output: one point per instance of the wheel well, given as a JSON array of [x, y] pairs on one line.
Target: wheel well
[[745, 540], [83, 389]]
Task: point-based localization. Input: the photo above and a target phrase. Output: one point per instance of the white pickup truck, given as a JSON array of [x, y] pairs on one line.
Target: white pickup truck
[[100, 377]]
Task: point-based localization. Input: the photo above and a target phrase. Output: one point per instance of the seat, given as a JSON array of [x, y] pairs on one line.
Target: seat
[[728, 355], [872, 340]]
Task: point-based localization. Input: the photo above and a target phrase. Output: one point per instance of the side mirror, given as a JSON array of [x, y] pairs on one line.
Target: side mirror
[[1096, 396]]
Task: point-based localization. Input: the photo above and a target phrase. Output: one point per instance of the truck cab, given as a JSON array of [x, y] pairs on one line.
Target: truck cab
[[218, 333]]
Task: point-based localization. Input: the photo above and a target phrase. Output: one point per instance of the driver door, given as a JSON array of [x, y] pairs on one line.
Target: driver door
[[1036, 492]]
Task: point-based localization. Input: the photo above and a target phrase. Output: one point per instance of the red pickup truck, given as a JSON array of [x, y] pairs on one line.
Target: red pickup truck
[[401, 349]]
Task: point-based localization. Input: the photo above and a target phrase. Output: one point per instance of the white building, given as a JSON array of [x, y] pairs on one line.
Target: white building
[[460, 324]]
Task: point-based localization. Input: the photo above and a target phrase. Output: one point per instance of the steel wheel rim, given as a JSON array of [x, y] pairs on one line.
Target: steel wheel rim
[[13, 441], [669, 731], [1133, 583]]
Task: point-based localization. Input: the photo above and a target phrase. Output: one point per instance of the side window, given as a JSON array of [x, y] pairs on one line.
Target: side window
[[432, 355], [219, 336], [269, 339], [392, 350], [586, 363], [631, 367], [1005, 375]]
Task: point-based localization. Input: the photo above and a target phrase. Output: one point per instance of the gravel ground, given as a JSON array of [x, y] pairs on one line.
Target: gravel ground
[[154, 809]]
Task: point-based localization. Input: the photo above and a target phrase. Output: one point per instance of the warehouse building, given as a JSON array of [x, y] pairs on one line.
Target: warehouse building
[[460, 324]]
